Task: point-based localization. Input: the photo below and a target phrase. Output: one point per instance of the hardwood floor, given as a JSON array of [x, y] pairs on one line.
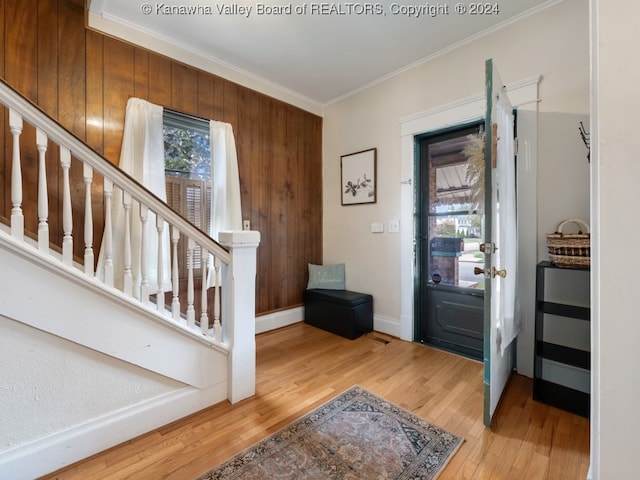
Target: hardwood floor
[[300, 367]]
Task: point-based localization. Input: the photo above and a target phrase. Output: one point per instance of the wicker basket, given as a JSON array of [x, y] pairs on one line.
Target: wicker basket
[[570, 250]]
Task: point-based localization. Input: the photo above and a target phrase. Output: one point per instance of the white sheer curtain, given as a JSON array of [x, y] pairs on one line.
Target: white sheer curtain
[[507, 224], [142, 157], [226, 211]]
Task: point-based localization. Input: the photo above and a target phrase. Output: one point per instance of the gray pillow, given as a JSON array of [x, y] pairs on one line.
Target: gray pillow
[[328, 277]]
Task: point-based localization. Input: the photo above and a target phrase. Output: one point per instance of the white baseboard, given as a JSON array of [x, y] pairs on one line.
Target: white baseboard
[[283, 318], [387, 325], [56, 451]]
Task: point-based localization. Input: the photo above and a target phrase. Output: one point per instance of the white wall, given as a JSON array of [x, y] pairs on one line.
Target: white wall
[[615, 201], [50, 384], [552, 43]]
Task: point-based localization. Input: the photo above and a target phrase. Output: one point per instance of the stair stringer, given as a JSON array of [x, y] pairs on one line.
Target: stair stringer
[[39, 292]]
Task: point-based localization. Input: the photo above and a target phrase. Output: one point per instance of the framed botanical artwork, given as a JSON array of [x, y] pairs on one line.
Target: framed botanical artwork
[[358, 177]]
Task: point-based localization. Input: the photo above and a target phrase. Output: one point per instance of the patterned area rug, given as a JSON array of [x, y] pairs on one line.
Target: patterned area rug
[[357, 435]]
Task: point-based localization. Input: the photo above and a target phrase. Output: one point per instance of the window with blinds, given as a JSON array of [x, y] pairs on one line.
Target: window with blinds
[[188, 176]]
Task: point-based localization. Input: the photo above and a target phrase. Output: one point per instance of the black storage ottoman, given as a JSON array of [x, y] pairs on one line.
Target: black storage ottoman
[[345, 313]]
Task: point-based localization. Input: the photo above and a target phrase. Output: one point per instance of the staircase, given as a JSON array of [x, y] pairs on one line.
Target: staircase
[[85, 364]]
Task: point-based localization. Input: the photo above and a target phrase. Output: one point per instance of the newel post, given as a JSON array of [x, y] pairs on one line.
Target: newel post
[[239, 312]]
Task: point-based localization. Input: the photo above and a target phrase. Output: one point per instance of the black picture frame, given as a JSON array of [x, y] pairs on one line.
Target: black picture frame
[[358, 182]]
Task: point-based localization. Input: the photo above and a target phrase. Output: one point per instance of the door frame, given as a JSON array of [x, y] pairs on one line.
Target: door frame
[[524, 96]]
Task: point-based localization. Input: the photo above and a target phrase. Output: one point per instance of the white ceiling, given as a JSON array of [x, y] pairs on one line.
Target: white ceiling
[[317, 56]]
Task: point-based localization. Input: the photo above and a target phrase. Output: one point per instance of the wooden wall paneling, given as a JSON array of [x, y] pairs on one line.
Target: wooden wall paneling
[[237, 111], [278, 206], [95, 88], [118, 88], [303, 203], [72, 79], [3, 44], [230, 100], [72, 100], [205, 105], [184, 89], [72, 68], [118, 85], [160, 86], [312, 175], [296, 263], [21, 72], [47, 38], [313, 164], [95, 127], [141, 73], [311, 193], [21, 58], [242, 133], [262, 184], [218, 100]]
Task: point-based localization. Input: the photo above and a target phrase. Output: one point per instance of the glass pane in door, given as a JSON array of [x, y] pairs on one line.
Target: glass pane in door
[[455, 205]]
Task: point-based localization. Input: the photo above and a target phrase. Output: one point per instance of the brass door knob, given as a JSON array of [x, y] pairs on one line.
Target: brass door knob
[[494, 272], [498, 273]]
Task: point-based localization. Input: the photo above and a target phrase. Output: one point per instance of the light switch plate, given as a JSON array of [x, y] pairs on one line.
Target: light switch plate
[[394, 225], [377, 227], [246, 225]]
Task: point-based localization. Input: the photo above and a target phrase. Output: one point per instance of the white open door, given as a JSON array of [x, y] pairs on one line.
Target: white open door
[[500, 243]]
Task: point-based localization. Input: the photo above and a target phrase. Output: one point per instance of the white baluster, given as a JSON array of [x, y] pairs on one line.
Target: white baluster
[[160, 293], [217, 328], [108, 233], [67, 217], [191, 312], [175, 302], [87, 173], [144, 279], [127, 281], [204, 319], [17, 218], [43, 196]]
